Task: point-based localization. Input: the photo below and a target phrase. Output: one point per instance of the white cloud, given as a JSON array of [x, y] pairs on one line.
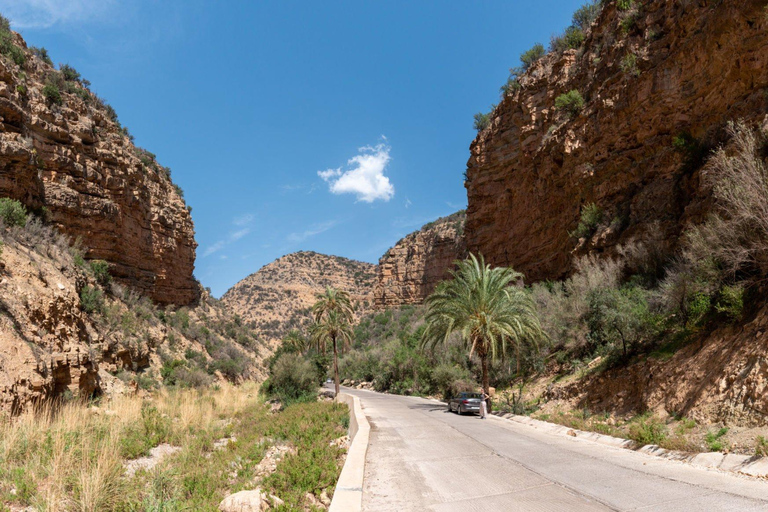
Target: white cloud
[[47, 13], [233, 236], [312, 231], [364, 176], [243, 220]]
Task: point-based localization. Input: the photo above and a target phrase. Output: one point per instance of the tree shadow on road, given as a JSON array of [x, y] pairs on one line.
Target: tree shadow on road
[[430, 407]]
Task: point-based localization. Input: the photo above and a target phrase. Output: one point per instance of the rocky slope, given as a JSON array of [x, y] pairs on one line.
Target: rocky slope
[[278, 297], [62, 149], [410, 270], [660, 81], [62, 333]]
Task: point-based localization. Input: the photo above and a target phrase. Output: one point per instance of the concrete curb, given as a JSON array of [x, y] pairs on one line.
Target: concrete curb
[[742, 464], [348, 496]]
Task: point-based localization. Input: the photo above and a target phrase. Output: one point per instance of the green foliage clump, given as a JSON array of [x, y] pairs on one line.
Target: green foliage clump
[[12, 212], [482, 121], [625, 5], [529, 57], [138, 439], [52, 93], [731, 302], [292, 378], [586, 14], [590, 218], [100, 270], [628, 65], [648, 430], [92, 299], [714, 440], [69, 73], [572, 38], [570, 102], [7, 46], [42, 54]]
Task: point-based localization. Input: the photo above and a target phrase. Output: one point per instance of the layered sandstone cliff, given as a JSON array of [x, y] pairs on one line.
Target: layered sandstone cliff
[[75, 160], [410, 270], [278, 297], [660, 81]]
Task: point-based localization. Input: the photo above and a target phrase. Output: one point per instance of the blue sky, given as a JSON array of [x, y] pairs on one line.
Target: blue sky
[[337, 127]]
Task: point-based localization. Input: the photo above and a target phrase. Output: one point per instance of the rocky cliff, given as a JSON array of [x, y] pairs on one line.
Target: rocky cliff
[[410, 270], [62, 151], [65, 330], [279, 296], [659, 82]]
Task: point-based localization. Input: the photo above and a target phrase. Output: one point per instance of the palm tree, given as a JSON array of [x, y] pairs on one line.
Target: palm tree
[[488, 313], [296, 341], [333, 326], [332, 300]]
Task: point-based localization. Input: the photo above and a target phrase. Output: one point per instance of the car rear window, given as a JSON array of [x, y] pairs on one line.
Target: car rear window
[[471, 395]]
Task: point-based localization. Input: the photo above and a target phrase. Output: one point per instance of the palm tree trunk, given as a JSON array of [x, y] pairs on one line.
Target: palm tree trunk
[[486, 379], [335, 368]]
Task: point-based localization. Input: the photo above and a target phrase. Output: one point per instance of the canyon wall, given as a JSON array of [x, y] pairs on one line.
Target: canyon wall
[[660, 82], [72, 160], [410, 270]]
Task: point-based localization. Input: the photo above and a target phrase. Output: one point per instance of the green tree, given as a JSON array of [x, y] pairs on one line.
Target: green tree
[[334, 327], [295, 341], [486, 308], [333, 315]]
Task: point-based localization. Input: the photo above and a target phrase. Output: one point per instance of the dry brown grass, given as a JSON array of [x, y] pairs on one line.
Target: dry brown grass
[[67, 457]]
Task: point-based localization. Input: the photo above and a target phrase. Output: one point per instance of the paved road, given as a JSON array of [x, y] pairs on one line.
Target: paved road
[[421, 457]]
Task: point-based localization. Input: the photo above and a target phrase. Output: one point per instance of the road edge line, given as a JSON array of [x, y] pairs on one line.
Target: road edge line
[[348, 495]]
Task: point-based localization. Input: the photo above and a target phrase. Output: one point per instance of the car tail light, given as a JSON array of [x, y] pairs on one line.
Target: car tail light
[[465, 401]]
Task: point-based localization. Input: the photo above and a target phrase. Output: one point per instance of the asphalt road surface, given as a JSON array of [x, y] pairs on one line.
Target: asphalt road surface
[[421, 457]]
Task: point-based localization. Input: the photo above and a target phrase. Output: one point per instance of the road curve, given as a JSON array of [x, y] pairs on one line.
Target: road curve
[[421, 457]]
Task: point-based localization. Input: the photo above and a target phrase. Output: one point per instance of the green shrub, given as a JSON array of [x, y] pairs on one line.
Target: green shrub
[[698, 305], [52, 93], [761, 446], [625, 5], [572, 38], [42, 54], [714, 440], [570, 102], [100, 269], [586, 14], [648, 430], [482, 121], [292, 377], [512, 85], [629, 65], [591, 216], [69, 73], [731, 302], [12, 212], [92, 299], [529, 57]]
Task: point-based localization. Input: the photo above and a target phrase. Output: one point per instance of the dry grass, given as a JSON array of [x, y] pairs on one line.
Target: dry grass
[[71, 457]]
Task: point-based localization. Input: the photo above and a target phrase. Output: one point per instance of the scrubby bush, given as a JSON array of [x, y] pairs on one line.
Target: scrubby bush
[[450, 380], [12, 212], [69, 73], [586, 14], [7, 47], [570, 102], [572, 38], [92, 299], [529, 57], [482, 121], [52, 93], [590, 218], [628, 65], [42, 54], [648, 430], [100, 270], [292, 377]]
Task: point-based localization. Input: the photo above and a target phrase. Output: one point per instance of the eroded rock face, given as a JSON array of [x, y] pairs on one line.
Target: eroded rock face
[[698, 66], [96, 185], [410, 270]]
